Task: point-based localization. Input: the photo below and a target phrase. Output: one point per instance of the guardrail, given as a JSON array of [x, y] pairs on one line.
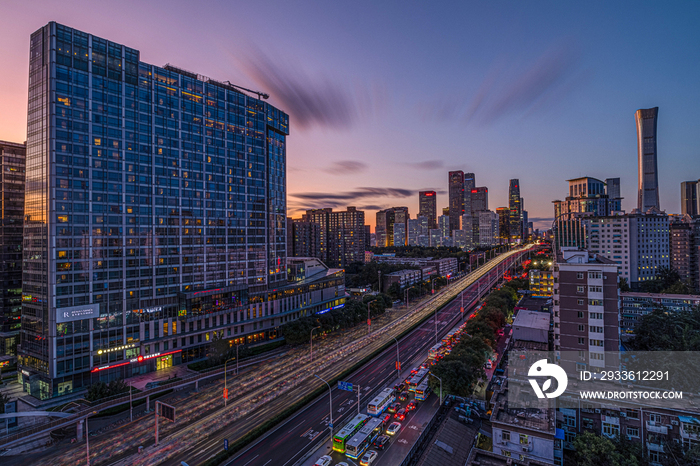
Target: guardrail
[[418, 448]]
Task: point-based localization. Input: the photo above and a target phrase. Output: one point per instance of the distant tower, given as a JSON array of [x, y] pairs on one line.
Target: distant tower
[[428, 207], [516, 209], [469, 184], [456, 193], [648, 196]]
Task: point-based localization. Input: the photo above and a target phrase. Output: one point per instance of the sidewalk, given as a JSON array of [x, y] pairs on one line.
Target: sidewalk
[[140, 381]]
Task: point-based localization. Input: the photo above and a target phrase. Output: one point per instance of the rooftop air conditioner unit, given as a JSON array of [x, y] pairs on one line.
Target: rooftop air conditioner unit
[[525, 448]]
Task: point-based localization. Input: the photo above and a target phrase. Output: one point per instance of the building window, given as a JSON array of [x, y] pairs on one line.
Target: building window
[[569, 436], [581, 341], [505, 436], [581, 328], [580, 314], [580, 289], [523, 439], [633, 431], [581, 302], [632, 414], [611, 430], [579, 275]]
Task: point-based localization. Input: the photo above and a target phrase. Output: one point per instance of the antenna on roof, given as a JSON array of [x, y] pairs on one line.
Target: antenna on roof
[[261, 95]]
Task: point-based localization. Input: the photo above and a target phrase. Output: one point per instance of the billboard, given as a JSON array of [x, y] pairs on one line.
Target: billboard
[[69, 314]]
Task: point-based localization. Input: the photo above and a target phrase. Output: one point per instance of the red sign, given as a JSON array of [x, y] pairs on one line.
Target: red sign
[[226, 393], [369, 322], [461, 309], [398, 365]]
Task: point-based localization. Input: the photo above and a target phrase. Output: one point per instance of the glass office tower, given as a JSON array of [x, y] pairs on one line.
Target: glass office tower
[[155, 211]]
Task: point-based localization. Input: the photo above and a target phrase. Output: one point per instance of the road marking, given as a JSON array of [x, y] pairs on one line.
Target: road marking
[[297, 426], [305, 432], [251, 460], [268, 461]]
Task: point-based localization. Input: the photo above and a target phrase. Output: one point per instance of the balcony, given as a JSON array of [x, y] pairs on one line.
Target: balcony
[[652, 428], [688, 435]]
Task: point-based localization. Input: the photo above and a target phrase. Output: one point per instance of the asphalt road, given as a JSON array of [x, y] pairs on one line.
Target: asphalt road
[[291, 441]]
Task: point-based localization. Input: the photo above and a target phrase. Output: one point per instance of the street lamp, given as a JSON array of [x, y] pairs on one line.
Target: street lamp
[[330, 397], [369, 321], [432, 284], [430, 373], [406, 292], [312, 342], [87, 437], [398, 363]]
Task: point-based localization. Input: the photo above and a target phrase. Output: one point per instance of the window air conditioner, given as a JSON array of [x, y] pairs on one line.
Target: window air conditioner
[[597, 411], [674, 423]]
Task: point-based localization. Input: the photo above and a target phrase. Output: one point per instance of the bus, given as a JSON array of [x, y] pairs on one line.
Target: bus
[[434, 351], [348, 431], [417, 379], [423, 390], [381, 402], [356, 446]]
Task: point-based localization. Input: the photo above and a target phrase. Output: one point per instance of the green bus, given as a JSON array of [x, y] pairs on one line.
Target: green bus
[[348, 431]]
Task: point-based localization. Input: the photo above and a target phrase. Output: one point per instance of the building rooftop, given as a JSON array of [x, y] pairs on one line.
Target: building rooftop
[[480, 457], [532, 319], [541, 420], [571, 255], [630, 294], [533, 303]]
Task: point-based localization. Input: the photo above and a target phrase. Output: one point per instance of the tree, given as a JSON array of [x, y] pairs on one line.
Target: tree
[[624, 285], [595, 450], [219, 348]]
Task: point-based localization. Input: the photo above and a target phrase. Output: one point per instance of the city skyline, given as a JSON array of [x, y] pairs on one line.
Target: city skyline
[[507, 109]]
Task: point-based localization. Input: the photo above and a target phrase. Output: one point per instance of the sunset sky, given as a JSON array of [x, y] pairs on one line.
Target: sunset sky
[[386, 97]]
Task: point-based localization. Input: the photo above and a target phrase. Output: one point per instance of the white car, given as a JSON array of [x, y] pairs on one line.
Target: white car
[[325, 460], [369, 458], [393, 428]]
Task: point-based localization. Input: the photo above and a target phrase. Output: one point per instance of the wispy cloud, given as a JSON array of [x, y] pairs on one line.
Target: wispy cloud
[[314, 100], [360, 193], [346, 167], [427, 165], [513, 90]]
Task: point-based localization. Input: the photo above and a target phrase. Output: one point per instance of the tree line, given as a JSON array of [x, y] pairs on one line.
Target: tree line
[[461, 370]]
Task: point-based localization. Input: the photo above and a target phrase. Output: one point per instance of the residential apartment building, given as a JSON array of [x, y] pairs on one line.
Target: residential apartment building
[[341, 235], [634, 306], [386, 219], [685, 249], [402, 278], [306, 239], [541, 282], [154, 216], [12, 172], [585, 311], [523, 434]]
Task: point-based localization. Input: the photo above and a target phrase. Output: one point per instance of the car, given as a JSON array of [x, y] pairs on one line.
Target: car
[[381, 442], [399, 387], [369, 458], [425, 365], [325, 460], [393, 428], [400, 414], [411, 406], [150, 385], [501, 332], [395, 407], [414, 370], [403, 396], [386, 419]]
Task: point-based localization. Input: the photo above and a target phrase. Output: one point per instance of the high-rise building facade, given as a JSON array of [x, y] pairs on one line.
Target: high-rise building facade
[[514, 204], [456, 198], [488, 229], [612, 189], [685, 249], [690, 201], [587, 198], [428, 207], [586, 314], [342, 235], [12, 170], [386, 219], [648, 177], [503, 224], [306, 239], [155, 201], [469, 184]]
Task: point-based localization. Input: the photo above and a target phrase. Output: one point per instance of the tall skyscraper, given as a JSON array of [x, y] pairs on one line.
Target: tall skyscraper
[[385, 225], [648, 186], [690, 201], [155, 197], [469, 184], [503, 224], [12, 166], [428, 207], [516, 210], [456, 194]]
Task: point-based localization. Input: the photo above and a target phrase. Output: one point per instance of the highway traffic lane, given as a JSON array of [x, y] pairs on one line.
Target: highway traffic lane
[[486, 277], [411, 429], [254, 457]]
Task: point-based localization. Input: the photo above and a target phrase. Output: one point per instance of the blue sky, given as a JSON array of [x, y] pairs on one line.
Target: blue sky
[[386, 98]]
